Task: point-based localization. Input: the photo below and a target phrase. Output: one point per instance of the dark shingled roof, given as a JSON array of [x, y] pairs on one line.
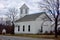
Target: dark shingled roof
[[30, 17]]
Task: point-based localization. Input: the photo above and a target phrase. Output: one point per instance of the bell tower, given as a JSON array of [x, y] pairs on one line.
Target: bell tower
[[23, 10]]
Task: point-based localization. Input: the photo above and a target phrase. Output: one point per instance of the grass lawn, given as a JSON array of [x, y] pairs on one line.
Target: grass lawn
[[35, 36]]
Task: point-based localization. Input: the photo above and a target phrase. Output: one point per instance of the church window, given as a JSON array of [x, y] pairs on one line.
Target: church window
[[18, 28], [23, 28], [29, 28]]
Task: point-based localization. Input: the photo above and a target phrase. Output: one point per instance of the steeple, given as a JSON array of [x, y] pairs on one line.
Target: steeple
[[24, 10]]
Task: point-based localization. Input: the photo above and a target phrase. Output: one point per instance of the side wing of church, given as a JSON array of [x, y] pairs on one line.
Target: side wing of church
[[32, 23]]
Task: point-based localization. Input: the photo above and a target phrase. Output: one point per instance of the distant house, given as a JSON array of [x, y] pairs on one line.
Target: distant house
[[5, 26], [7, 29], [32, 23]]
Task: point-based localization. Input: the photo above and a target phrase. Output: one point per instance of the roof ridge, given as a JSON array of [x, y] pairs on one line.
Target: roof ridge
[[37, 13]]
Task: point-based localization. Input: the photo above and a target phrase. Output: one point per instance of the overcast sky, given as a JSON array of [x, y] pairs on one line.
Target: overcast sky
[[5, 4]]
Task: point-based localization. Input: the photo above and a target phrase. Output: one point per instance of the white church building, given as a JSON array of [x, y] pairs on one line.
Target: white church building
[[32, 23]]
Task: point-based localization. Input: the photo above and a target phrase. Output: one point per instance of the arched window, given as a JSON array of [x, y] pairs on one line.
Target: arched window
[[29, 28], [23, 28], [18, 28]]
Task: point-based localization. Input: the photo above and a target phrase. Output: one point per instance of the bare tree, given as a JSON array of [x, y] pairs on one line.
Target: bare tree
[[12, 12], [52, 6]]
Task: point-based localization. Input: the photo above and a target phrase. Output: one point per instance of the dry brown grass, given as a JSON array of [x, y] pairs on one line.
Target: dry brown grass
[[35, 36]]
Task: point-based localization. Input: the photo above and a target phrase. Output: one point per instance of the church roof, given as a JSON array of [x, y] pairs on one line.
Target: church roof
[[31, 17], [24, 6]]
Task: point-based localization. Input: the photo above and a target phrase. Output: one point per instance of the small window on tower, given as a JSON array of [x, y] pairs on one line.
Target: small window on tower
[[26, 11], [23, 10]]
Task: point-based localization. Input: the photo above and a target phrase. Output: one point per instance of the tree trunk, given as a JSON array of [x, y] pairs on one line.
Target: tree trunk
[[56, 19], [13, 28], [56, 27]]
